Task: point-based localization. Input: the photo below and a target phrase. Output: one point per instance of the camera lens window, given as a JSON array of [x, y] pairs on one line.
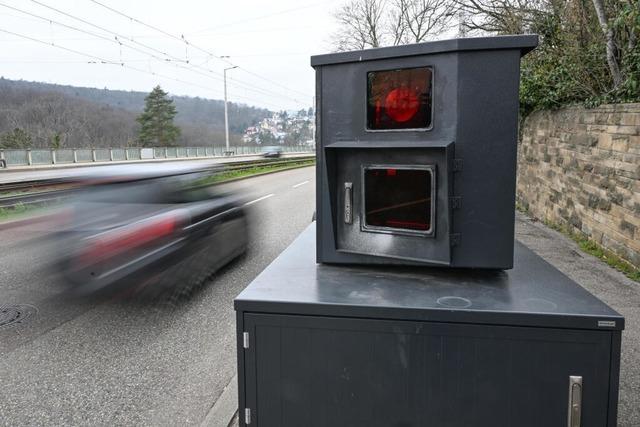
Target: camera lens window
[[399, 99], [398, 198]]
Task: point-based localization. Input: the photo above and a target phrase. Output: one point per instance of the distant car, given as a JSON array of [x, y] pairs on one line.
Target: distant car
[[271, 152], [150, 229]]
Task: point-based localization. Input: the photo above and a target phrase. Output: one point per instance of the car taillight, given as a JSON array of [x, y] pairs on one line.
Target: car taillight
[[133, 236]]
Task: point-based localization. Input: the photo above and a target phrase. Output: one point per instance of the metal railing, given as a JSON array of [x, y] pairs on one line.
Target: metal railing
[[39, 157]]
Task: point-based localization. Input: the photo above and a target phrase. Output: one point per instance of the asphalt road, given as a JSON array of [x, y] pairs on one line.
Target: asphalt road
[[122, 362]]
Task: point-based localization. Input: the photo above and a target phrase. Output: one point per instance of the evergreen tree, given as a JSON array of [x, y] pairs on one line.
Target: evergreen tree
[[156, 122], [17, 138]]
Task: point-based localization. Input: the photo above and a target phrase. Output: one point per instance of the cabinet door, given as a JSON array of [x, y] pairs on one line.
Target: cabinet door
[[330, 372]]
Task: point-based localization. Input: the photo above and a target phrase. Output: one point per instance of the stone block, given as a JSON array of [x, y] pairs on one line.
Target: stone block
[[628, 170], [620, 143], [630, 119], [624, 130], [604, 141], [627, 228], [615, 118], [575, 221], [615, 197]]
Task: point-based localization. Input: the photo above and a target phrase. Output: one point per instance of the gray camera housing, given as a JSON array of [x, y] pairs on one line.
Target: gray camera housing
[[468, 149]]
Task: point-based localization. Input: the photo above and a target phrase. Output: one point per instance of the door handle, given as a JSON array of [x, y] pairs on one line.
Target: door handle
[[575, 401], [348, 202]]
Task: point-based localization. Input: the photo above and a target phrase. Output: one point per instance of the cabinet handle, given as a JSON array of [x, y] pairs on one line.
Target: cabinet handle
[[348, 202], [575, 401]]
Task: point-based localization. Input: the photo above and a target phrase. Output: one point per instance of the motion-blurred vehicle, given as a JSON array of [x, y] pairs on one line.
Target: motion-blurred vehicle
[[149, 229], [274, 152]]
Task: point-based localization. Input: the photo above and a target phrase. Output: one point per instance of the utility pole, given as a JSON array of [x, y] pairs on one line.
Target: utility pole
[[314, 122], [226, 114]]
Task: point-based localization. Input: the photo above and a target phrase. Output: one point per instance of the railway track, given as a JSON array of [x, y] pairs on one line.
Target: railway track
[[53, 190]]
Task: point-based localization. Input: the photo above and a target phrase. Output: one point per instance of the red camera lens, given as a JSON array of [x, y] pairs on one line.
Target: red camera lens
[[401, 104]]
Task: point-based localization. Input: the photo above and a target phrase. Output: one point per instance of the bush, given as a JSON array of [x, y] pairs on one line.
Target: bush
[[570, 66]]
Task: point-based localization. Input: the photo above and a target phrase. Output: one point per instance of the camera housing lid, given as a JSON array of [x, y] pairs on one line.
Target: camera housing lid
[[416, 153]]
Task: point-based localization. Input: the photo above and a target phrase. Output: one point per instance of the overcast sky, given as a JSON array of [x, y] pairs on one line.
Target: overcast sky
[[270, 40]]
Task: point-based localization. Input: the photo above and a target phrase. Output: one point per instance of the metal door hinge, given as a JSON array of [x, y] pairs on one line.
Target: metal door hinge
[[575, 401], [455, 202], [245, 339], [454, 239], [247, 415], [457, 165]]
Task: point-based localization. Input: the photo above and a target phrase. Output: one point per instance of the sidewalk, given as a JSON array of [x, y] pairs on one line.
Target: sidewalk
[[615, 289]]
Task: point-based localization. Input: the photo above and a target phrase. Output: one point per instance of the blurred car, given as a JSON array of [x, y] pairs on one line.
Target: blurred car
[[272, 152], [150, 229]]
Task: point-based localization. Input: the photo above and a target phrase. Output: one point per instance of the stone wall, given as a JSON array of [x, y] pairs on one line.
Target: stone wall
[[581, 168]]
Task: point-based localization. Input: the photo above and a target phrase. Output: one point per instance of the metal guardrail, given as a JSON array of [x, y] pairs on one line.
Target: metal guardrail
[[39, 157], [34, 190]]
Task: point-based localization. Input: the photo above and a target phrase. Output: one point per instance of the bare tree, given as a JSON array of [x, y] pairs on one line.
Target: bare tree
[[397, 23], [424, 18], [374, 23], [502, 16], [360, 25]]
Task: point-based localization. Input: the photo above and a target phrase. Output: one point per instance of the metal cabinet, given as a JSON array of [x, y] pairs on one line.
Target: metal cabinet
[[334, 346]]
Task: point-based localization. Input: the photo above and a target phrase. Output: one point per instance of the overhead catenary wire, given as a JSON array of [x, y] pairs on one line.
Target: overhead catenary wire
[[73, 28], [184, 40], [176, 60], [100, 60], [96, 26]]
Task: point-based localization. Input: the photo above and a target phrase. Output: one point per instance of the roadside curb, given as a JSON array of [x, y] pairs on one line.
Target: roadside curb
[[224, 410]]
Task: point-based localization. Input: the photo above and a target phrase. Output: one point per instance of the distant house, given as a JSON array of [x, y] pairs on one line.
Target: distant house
[[279, 128]]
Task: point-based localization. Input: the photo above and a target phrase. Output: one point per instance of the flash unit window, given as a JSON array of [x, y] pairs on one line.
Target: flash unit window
[[399, 199], [399, 99]]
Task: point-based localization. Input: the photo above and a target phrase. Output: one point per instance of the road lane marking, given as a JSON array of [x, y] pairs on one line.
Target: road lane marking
[[301, 183], [259, 199]]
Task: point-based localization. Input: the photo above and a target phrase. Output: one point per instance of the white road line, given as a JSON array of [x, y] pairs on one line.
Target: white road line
[[259, 199], [301, 183]]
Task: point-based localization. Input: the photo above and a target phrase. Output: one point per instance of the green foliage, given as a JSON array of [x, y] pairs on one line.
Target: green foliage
[[570, 66], [266, 138], [56, 141], [156, 121], [627, 26], [16, 211], [17, 139], [232, 175], [299, 135], [97, 118], [612, 260]]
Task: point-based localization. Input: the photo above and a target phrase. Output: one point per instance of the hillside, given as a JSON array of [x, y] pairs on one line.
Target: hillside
[[84, 117]]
